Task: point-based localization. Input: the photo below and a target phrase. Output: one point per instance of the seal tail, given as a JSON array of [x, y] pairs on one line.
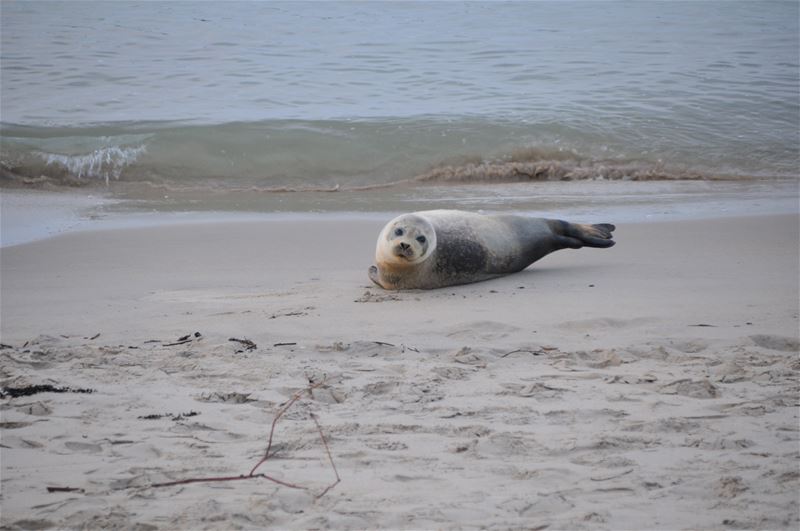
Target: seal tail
[[577, 235]]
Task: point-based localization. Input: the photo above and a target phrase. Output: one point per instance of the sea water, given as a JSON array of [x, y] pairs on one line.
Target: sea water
[[272, 106]]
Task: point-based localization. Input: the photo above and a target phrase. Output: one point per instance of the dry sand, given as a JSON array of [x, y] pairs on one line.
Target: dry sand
[[652, 385]]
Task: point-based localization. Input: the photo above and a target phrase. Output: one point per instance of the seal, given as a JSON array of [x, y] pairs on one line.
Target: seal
[[438, 248]]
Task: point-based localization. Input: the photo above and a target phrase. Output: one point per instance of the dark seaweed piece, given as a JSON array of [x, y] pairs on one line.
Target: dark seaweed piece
[[29, 390], [246, 343], [64, 489], [183, 339], [179, 416]]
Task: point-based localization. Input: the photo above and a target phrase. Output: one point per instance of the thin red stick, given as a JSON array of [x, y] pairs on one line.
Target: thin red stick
[[278, 415], [252, 474], [227, 478], [330, 457]]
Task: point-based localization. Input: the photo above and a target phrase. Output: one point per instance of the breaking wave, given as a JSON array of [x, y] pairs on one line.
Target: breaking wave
[[532, 165], [287, 156], [103, 163]]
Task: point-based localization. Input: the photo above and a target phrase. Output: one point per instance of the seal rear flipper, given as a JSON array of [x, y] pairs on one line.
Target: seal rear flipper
[[577, 235], [597, 235], [565, 242], [600, 235]]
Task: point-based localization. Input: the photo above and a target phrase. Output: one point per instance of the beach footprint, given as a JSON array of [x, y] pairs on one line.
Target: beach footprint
[[773, 342], [482, 330], [83, 447]]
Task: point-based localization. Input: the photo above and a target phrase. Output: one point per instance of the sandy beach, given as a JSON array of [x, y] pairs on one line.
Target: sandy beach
[[190, 197], [652, 385]]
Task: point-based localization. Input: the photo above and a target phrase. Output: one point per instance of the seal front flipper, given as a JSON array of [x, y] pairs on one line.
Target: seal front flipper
[[375, 276]]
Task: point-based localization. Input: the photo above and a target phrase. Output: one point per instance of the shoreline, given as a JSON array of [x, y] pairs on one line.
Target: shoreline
[[32, 215], [591, 390]]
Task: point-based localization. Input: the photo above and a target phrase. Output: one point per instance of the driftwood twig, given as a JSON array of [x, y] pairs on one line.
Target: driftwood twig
[[529, 351], [188, 338], [330, 458], [267, 454], [383, 344]]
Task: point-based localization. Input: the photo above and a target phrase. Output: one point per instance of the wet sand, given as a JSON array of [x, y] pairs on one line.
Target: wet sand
[[651, 385]]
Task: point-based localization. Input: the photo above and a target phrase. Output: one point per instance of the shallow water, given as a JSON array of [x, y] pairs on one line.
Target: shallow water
[[30, 215], [201, 97]]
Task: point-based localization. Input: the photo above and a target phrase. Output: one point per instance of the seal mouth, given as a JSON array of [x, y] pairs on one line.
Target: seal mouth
[[404, 251]]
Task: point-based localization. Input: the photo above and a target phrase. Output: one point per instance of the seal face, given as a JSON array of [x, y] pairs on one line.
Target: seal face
[[408, 239], [438, 248]]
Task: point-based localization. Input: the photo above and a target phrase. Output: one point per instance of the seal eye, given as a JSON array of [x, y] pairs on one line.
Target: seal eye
[[421, 239], [398, 232]]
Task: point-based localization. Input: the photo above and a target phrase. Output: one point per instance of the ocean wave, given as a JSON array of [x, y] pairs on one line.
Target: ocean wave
[[41, 167], [295, 156], [558, 170], [36, 156], [103, 163], [531, 164]]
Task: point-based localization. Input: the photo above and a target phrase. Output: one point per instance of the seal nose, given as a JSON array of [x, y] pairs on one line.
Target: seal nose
[[404, 246]]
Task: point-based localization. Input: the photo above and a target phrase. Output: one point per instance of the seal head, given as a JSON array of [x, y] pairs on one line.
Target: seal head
[[405, 241]]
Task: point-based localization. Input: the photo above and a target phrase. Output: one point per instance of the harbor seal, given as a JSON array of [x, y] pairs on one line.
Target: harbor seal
[[438, 248]]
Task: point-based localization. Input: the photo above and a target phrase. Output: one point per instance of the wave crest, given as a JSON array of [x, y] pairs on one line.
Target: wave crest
[[68, 161], [549, 171], [534, 164], [103, 163]]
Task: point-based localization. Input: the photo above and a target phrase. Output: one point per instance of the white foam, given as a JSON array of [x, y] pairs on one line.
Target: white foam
[[105, 163]]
